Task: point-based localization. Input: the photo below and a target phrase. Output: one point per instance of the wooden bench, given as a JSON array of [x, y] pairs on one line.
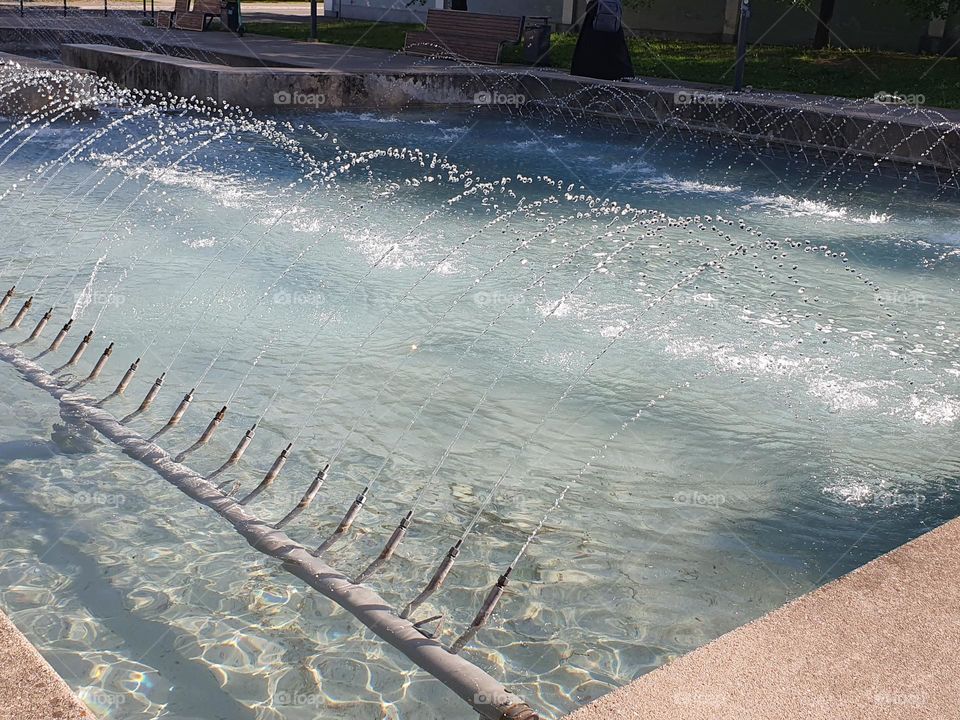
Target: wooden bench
[[196, 18], [472, 36], [165, 17]]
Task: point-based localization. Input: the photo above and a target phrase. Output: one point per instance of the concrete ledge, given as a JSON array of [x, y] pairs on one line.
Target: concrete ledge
[[29, 688], [879, 643], [928, 141]]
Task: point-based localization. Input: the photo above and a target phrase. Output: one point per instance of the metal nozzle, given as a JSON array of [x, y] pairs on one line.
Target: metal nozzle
[[127, 377], [23, 311], [148, 400], [207, 434], [345, 524], [78, 353], [272, 475], [58, 340], [398, 534], [40, 326], [307, 498], [436, 581], [236, 455], [486, 610], [177, 415], [6, 298], [98, 368]]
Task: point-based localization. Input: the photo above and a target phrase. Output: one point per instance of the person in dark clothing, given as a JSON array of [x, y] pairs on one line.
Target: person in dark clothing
[[600, 54]]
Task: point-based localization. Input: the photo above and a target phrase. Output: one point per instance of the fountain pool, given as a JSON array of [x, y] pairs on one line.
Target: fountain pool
[[435, 304]]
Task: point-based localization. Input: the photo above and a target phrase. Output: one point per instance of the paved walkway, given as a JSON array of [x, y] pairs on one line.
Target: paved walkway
[[880, 643], [286, 11], [29, 687], [256, 50]]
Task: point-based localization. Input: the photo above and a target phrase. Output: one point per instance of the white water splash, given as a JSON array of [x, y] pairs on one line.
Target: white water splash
[[86, 295]]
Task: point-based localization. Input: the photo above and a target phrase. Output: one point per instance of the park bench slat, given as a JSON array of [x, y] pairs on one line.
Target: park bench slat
[[463, 46], [189, 21], [184, 18], [472, 36], [458, 22]]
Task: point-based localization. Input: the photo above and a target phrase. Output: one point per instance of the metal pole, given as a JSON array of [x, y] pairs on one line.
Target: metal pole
[[21, 8], [313, 19], [741, 45], [64, 8], [153, 12], [144, 8], [104, 8]]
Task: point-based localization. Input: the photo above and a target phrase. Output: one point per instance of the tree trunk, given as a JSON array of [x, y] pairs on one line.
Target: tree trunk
[[821, 38]]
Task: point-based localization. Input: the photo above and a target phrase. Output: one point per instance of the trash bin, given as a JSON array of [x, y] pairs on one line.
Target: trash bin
[[230, 16], [536, 40]]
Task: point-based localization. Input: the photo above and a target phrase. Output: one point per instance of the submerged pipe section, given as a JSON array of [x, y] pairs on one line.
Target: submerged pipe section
[[236, 455], [207, 434], [345, 524], [273, 473], [483, 693], [307, 498], [15, 323], [58, 340], [436, 581], [388, 549], [148, 400], [177, 415], [127, 377], [124, 382], [40, 326], [98, 368], [6, 298], [486, 610], [77, 354]]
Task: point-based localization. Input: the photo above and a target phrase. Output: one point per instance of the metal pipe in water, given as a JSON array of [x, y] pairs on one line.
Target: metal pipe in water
[[345, 524], [6, 298], [272, 475], [127, 377], [436, 581], [398, 534], [237, 453], [486, 695], [307, 498], [78, 353], [486, 610], [23, 311], [58, 340], [148, 400], [98, 368], [40, 326], [177, 415], [207, 434]]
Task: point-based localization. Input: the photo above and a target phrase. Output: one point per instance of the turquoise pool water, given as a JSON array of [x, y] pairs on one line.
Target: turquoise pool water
[[799, 393]]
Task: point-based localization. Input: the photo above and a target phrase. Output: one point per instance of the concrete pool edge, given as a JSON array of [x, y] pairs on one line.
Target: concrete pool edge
[[877, 643], [30, 689], [857, 130]]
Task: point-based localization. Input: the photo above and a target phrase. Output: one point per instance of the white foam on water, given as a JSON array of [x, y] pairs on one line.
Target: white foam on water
[[842, 395], [936, 410], [226, 190], [873, 492], [669, 184]]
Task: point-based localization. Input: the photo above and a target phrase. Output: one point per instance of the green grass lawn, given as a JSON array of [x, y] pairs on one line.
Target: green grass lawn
[[847, 73]]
